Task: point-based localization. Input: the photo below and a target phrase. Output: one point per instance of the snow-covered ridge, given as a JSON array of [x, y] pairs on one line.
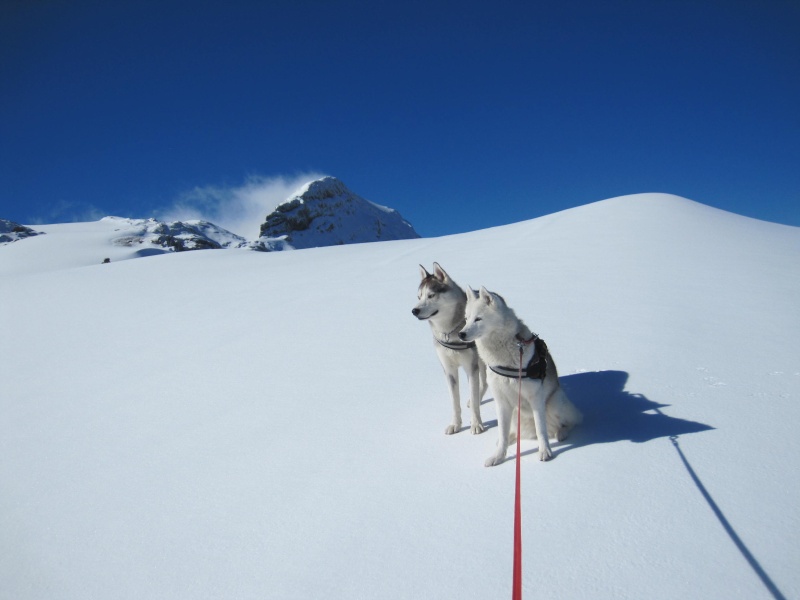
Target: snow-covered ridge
[[11, 231], [326, 213], [112, 239], [320, 189], [323, 212], [177, 236]]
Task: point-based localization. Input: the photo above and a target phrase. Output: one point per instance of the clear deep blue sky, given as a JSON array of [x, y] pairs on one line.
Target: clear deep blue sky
[[461, 115]]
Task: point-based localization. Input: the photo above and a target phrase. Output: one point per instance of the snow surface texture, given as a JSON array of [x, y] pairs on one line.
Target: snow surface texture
[[269, 425], [326, 213]]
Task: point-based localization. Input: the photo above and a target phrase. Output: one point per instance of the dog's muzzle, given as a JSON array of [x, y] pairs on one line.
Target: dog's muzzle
[[415, 312]]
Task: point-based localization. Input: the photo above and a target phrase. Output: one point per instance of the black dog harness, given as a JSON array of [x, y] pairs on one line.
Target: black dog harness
[[537, 365], [455, 345], [458, 344]]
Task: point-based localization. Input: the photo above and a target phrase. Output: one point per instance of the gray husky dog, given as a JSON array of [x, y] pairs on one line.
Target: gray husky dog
[[500, 336], [442, 303]]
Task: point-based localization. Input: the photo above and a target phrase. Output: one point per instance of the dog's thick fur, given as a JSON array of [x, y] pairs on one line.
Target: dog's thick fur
[[442, 303], [494, 327]]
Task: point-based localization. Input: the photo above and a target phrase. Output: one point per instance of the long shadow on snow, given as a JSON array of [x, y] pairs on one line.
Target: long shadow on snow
[[611, 414]]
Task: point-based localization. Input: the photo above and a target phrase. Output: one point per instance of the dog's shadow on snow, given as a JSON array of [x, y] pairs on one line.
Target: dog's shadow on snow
[[613, 414]]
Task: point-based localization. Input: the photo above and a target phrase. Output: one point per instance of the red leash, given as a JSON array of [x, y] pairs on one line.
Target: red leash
[[516, 592]]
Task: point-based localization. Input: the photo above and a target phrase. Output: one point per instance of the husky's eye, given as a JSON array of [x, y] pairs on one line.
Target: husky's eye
[[478, 319], [431, 295]]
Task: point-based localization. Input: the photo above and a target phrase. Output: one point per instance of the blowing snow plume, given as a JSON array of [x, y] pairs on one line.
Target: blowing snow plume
[[239, 209]]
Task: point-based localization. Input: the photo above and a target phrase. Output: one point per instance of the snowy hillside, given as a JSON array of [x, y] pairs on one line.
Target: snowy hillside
[[117, 238], [269, 425], [326, 213]]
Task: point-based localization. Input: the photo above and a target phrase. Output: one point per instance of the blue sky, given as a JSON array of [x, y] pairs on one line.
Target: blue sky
[[461, 115]]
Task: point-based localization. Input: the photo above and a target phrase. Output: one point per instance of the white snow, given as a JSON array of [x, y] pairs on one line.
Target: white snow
[[219, 424]]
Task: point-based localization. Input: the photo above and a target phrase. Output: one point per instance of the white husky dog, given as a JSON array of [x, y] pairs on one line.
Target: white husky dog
[[442, 303], [500, 335]]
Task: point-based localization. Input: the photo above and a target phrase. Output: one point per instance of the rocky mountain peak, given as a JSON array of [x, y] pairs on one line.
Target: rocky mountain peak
[[325, 212], [11, 231]]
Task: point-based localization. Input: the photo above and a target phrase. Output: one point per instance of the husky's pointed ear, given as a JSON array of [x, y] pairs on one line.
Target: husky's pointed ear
[[439, 273], [423, 272], [471, 294], [486, 295]]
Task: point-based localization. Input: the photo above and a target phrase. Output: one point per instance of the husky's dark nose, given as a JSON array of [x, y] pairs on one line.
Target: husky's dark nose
[[415, 312], [462, 335]]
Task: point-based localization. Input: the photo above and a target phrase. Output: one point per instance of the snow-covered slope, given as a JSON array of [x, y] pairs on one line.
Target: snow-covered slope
[[269, 425], [326, 213], [114, 238]]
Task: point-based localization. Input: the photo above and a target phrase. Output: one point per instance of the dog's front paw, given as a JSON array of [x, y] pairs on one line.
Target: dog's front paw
[[493, 461], [477, 427], [453, 428], [545, 453]]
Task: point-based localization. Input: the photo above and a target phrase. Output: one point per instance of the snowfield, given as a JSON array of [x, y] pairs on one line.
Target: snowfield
[[233, 424]]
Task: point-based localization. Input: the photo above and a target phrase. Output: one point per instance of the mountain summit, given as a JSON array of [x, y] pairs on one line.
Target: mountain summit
[[325, 212]]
